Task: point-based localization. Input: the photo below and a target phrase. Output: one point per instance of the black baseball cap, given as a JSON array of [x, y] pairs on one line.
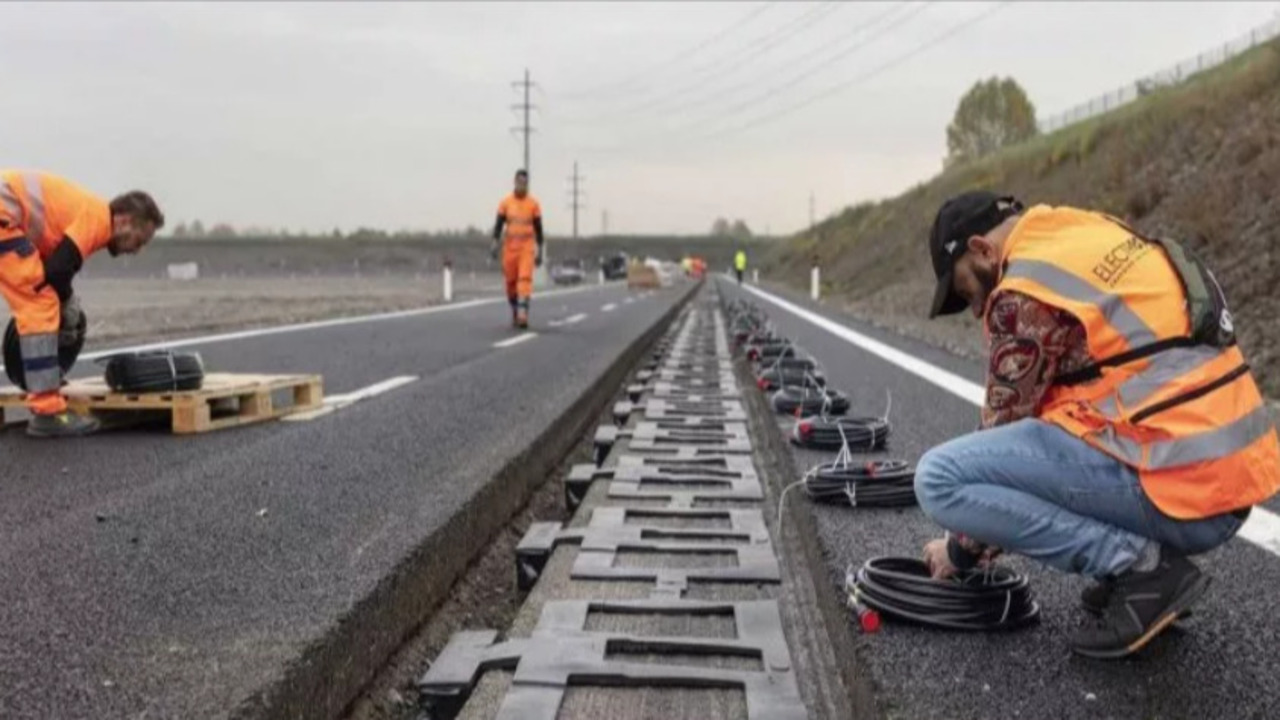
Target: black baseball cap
[[960, 218]]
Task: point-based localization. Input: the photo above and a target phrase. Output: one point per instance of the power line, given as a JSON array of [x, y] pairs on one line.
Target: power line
[[793, 81], [749, 53], [679, 57], [733, 61], [883, 67], [857, 34], [830, 90]]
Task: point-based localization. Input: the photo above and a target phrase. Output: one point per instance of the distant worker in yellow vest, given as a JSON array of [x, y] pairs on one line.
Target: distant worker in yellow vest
[[1123, 429], [740, 264], [521, 214]]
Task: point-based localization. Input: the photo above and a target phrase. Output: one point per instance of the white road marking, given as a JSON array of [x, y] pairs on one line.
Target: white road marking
[[315, 325], [1262, 528], [337, 402], [609, 308], [515, 340], [569, 320], [629, 300], [368, 392]]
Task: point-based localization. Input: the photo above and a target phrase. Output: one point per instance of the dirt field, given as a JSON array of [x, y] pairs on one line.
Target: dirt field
[[123, 311]]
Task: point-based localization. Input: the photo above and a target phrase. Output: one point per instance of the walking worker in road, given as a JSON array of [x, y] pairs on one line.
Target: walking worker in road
[[48, 227], [740, 264], [522, 216], [1123, 430]]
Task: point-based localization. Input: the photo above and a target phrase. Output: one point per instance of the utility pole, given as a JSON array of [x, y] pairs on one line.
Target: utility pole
[[575, 196], [525, 130], [811, 213], [604, 222]]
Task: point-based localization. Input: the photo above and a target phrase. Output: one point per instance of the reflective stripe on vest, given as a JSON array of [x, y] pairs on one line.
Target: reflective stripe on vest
[[1219, 442], [40, 368], [519, 229], [1123, 319], [12, 206], [1165, 367], [34, 218]]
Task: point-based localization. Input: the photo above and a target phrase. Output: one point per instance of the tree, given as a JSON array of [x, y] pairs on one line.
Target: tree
[[740, 231], [180, 230], [994, 113], [720, 228], [222, 230], [197, 229]]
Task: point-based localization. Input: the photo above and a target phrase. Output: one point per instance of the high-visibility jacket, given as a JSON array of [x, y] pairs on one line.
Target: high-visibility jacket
[[1189, 418], [740, 261], [519, 214], [45, 208]]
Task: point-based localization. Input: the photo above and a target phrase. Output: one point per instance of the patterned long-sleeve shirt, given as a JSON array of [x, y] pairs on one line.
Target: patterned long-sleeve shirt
[[1030, 344]]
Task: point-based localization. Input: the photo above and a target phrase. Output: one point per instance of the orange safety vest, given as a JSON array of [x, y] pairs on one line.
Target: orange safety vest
[[45, 208], [520, 214], [1189, 418]]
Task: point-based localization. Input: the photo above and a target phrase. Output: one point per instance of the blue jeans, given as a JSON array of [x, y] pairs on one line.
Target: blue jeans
[[1032, 488]]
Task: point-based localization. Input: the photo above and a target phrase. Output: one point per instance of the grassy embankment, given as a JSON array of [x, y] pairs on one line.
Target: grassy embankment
[[1199, 161]]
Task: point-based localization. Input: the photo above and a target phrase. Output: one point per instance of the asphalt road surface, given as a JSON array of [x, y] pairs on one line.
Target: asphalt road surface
[[1221, 663], [144, 575]]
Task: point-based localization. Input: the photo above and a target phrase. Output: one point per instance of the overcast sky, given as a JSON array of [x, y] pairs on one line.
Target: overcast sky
[[310, 116]]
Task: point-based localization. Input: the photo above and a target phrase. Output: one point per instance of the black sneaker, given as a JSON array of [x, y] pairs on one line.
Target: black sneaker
[[1141, 605], [64, 424], [1095, 597]]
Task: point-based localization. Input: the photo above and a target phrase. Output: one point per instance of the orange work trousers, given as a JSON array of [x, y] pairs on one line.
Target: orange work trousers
[[37, 314], [517, 267]]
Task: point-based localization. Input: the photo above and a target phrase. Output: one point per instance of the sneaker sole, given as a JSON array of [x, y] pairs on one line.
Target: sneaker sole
[[1097, 612], [1180, 605]]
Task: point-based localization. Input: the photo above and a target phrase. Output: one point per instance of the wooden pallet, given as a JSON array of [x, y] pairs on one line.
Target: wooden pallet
[[224, 401]]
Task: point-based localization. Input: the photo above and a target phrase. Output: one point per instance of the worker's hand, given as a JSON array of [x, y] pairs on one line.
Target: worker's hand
[[72, 316], [937, 559], [537, 259], [493, 250]]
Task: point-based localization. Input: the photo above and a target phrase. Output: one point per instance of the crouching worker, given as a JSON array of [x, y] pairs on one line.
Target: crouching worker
[[48, 227], [1123, 432]]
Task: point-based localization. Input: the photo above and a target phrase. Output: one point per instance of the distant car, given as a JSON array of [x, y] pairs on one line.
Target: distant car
[[569, 272], [615, 267]]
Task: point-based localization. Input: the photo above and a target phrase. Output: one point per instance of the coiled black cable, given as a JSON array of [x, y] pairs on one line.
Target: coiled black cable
[[880, 483], [158, 371], [770, 352], [779, 377], [801, 401], [983, 600], [826, 433], [796, 362], [756, 342]]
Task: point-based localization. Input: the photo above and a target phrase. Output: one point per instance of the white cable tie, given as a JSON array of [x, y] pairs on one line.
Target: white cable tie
[[782, 499]]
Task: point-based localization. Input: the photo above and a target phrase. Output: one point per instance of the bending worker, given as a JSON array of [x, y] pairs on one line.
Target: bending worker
[[740, 264], [1123, 430], [48, 227], [522, 216]]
